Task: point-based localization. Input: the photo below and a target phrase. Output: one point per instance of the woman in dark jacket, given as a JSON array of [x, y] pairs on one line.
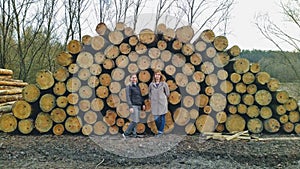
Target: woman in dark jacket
[[135, 102]]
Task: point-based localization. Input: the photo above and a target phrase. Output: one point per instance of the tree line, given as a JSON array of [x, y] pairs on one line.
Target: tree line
[[285, 66]]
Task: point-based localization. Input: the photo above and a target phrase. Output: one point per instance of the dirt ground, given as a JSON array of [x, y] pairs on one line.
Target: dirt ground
[[168, 151]]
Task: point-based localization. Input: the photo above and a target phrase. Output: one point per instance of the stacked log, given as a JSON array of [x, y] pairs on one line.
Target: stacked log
[[10, 90], [211, 87]]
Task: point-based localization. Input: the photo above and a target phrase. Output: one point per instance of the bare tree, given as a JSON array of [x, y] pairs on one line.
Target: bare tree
[[20, 12], [6, 40], [205, 13], [28, 37], [121, 9], [278, 34], [103, 9], [163, 8], [138, 8], [73, 13]]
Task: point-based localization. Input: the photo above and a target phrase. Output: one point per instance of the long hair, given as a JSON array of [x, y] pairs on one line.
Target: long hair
[[162, 77]]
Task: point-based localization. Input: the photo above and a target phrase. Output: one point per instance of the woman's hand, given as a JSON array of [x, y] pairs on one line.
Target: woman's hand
[[131, 110], [144, 107]]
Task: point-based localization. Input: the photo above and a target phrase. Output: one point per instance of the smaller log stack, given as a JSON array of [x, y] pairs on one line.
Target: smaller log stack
[[212, 88], [10, 92]]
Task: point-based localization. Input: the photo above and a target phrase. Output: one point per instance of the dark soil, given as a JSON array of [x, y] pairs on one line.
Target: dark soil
[[168, 151]]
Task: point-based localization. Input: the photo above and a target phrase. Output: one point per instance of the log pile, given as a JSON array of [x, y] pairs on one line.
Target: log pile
[[212, 88], [10, 92]]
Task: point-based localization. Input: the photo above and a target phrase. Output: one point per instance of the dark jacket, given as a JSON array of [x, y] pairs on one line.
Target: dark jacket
[[133, 95]]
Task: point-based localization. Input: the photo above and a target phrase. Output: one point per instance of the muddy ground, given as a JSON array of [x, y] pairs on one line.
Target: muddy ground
[[168, 151]]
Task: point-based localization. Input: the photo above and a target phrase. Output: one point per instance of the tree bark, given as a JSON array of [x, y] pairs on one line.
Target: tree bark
[[6, 72], [13, 83], [9, 98]]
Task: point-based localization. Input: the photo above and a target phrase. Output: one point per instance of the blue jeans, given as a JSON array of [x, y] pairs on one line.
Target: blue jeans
[[160, 122]]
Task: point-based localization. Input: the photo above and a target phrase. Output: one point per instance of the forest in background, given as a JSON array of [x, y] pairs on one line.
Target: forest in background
[[285, 66]]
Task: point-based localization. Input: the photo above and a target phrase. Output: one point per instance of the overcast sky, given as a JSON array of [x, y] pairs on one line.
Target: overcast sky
[[244, 32]]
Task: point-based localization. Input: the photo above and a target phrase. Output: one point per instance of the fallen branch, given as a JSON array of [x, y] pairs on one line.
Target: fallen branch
[[278, 138], [236, 135]]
